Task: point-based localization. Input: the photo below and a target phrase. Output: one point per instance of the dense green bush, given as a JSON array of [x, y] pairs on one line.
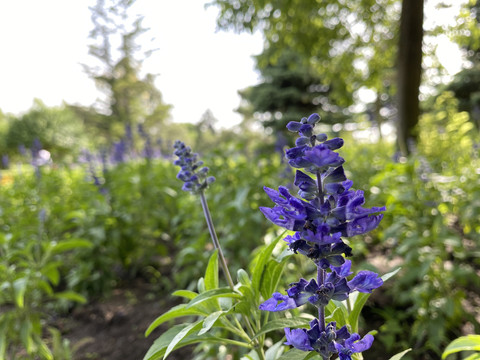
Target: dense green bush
[[74, 233]]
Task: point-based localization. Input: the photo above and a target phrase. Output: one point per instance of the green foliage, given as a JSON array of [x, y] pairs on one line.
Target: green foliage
[[464, 343], [58, 129], [289, 90], [430, 228], [334, 36]]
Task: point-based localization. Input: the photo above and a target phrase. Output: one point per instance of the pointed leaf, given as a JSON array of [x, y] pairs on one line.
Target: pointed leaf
[[260, 262], [243, 277], [211, 274], [274, 351], [361, 299], [212, 294], [3, 340], [181, 335], [463, 343], [187, 294], [173, 313], [67, 245], [357, 309], [157, 350], [209, 321], [399, 355], [19, 288], [72, 296], [271, 277]]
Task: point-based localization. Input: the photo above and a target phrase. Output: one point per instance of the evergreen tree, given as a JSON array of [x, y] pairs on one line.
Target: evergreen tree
[[289, 89]]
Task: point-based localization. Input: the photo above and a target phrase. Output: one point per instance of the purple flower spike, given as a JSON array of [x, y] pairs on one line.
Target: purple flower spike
[[325, 212]]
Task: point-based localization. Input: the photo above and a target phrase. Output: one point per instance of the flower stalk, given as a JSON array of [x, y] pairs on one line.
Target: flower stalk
[[194, 176], [215, 241], [325, 212]]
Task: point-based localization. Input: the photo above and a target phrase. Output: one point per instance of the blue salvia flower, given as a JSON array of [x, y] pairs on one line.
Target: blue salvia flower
[[5, 161], [326, 211], [192, 173], [119, 152], [148, 152]]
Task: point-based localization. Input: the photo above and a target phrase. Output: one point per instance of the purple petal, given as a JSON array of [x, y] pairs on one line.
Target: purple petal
[[365, 282], [278, 302], [298, 338], [294, 126]]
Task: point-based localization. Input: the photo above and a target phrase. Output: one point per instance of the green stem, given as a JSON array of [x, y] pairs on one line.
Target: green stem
[[223, 262], [215, 241], [236, 330], [235, 342]]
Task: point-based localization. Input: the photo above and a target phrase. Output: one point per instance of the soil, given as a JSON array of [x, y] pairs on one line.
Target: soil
[[113, 329]]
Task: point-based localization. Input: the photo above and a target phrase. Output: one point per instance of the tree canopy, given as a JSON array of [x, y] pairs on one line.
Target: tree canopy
[[130, 99]]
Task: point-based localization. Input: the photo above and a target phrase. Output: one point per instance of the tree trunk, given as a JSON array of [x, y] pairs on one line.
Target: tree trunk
[[409, 72]]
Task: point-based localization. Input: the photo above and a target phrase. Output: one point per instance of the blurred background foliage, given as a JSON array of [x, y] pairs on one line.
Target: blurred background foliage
[[105, 207]]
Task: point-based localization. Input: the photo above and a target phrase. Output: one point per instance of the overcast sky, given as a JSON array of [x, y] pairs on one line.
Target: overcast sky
[[43, 44]]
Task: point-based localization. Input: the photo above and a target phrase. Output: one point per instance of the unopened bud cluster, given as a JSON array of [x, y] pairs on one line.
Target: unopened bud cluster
[[192, 173]]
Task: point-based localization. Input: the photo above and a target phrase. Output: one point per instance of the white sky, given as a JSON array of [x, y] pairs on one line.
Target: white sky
[[44, 42]]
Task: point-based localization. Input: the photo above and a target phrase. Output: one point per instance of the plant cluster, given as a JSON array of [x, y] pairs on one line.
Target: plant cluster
[[327, 211]]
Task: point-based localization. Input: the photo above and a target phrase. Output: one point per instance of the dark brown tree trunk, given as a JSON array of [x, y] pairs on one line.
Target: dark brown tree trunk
[[409, 72]]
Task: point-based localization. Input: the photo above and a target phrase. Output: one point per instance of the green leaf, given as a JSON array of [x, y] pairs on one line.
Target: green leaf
[[399, 355], [274, 351], [209, 321], [271, 277], [51, 272], [360, 301], [260, 262], [338, 311], [67, 245], [213, 294], [387, 276], [211, 274], [281, 324], [295, 354], [158, 349], [173, 313], [187, 294], [181, 335], [243, 278], [3, 340], [72, 296], [19, 288], [463, 343]]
